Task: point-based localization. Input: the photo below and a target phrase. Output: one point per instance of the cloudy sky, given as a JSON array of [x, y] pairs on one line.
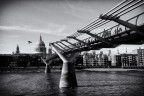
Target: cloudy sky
[[25, 20]]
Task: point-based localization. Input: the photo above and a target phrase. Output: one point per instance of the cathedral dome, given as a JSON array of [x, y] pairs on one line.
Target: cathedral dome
[[40, 43], [40, 46]]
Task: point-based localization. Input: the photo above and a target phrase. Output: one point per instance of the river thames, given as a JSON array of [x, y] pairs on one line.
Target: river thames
[[89, 84]]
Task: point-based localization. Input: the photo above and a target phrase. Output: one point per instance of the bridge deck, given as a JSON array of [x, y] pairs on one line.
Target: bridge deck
[[125, 37]]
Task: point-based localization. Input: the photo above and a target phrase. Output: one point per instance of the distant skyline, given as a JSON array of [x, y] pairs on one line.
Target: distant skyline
[[24, 20]]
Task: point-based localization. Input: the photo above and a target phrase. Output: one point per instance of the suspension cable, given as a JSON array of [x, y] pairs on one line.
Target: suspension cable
[[122, 10]]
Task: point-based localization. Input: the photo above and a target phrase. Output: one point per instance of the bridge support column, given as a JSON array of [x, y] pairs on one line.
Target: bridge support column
[[47, 69], [68, 77]]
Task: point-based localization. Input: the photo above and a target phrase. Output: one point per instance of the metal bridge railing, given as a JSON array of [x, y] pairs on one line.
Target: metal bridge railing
[[110, 32]]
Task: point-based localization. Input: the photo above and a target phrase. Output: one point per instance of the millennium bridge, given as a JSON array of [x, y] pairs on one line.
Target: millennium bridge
[[128, 31]]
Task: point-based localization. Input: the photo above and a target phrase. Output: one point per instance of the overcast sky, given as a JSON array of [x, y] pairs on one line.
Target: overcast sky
[[25, 20]]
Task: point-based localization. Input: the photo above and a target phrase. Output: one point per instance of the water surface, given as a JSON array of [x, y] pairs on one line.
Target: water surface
[[89, 84]]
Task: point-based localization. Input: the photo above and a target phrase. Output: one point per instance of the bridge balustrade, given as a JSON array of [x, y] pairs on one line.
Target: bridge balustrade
[[115, 30]]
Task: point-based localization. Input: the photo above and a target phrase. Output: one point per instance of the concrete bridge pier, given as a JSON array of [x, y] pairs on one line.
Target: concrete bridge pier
[[47, 68], [68, 77]]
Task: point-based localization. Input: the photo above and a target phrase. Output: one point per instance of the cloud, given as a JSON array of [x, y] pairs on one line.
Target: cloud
[[10, 36], [75, 10], [1, 44], [53, 29], [56, 27], [83, 9]]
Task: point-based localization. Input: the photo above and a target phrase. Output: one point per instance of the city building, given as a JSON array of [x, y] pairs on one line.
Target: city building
[[129, 60], [17, 59], [118, 61], [103, 60], [140, 56], [114, 59], [133, 60], [95, 60], [85, 59], [78, 61], [5, 60]]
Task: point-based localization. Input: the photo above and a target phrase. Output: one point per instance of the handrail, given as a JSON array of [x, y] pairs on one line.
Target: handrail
[[110, 28]]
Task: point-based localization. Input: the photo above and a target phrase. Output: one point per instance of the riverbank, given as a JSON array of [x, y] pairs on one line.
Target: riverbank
[[111, 69], [22, 69], [42, 69]]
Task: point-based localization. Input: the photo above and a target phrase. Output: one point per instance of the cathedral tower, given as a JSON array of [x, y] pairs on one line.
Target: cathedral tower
[[40, 47], [17, 49]]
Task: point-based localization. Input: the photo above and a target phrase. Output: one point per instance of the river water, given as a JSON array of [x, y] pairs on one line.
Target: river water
[[89, 84]]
